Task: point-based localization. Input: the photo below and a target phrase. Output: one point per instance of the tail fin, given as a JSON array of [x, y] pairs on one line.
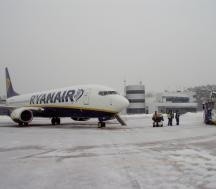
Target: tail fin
[[9, 87]]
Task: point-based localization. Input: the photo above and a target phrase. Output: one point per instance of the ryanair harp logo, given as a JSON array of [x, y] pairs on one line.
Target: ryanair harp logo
[[57, 97]]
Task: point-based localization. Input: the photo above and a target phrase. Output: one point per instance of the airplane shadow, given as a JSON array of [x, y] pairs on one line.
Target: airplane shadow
[[109, 126]]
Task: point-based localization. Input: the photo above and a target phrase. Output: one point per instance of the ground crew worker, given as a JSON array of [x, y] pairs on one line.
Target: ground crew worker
[[177, 116], [154, 118], [170, 118]]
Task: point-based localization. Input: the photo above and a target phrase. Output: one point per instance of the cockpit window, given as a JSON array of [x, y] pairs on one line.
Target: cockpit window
[[104, 93]]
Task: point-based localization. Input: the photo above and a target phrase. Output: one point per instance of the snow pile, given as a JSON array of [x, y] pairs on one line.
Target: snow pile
[[193, 115], [198, 116]]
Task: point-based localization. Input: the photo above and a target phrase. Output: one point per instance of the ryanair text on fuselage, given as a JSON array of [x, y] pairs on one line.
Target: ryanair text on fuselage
[[58, 96]]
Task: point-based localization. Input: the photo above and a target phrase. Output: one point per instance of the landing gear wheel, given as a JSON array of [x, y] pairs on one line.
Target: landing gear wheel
[[55, 121], [101, 124], [58, 121], [20, 124]]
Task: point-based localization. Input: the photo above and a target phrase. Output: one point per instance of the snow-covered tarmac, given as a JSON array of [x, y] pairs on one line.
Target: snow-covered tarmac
[[78, 155]]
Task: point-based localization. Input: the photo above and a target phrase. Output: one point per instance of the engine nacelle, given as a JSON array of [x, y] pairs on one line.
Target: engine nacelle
[[21, 115], [80, 118]]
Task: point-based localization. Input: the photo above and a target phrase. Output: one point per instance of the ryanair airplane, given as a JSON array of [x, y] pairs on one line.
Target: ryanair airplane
[[78, 102]]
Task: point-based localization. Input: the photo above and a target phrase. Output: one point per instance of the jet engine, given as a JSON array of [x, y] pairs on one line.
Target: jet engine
[[21, 115], [80, 118]]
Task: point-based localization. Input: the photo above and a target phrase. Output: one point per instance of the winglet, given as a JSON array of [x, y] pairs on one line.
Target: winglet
[[9, 86]]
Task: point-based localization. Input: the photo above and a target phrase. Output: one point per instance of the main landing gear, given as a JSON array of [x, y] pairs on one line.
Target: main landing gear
[[21, 124], [56, 121], [101, 124]]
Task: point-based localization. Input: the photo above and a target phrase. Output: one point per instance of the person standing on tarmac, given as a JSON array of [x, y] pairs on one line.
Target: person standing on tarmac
[[154, 118], [170, 118], [177, 116]]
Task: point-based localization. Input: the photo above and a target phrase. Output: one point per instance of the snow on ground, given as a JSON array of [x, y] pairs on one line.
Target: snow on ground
[[79, 155]]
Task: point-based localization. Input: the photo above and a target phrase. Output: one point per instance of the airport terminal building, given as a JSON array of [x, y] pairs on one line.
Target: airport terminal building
[[136, 96], [173, 101]]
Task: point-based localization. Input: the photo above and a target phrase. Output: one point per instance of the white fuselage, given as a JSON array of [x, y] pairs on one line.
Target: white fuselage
[[88, 97]]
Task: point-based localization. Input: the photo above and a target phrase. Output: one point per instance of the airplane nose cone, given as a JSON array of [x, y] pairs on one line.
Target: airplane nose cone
[[124, 103], [119, 103]]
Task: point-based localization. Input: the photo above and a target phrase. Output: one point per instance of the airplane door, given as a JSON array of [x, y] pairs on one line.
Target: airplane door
[[110, 102], [87, 97]]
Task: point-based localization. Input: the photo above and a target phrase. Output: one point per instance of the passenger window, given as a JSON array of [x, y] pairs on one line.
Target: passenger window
[[104, 93]]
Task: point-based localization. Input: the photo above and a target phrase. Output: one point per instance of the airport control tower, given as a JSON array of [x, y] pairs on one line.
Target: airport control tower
[[136, 96]]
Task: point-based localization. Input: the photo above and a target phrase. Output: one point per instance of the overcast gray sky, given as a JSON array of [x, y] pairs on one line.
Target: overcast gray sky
[[166, 44]]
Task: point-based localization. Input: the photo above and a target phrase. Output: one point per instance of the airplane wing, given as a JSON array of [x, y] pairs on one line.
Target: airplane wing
[[6, 110]]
